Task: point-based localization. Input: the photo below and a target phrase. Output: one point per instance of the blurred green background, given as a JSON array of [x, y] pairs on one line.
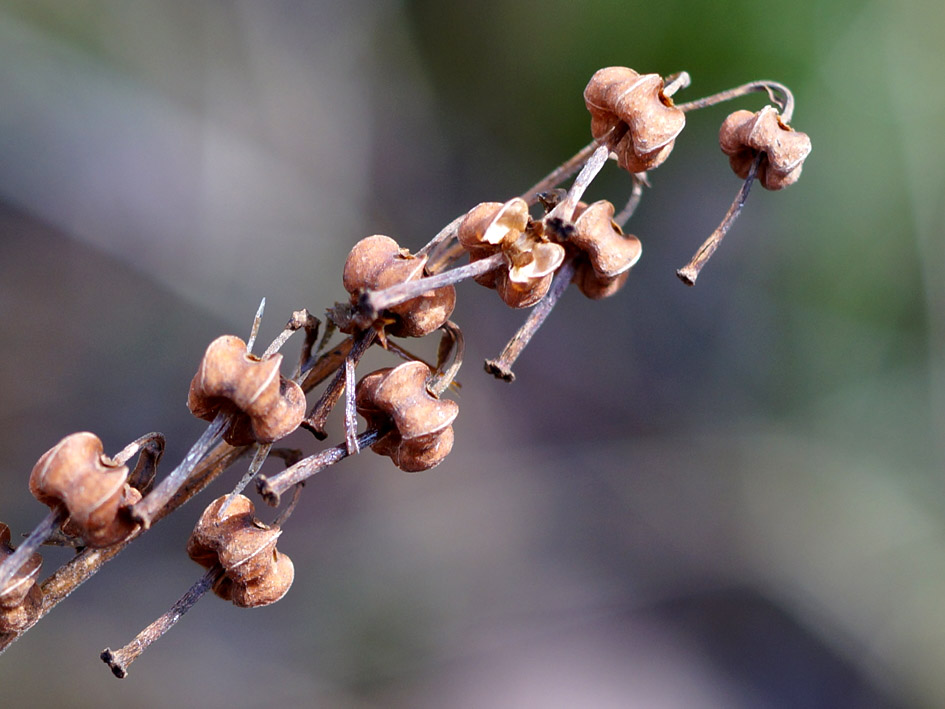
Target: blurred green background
[[724, 496]]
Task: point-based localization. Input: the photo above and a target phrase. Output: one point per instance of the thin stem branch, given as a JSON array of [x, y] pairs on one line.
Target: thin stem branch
[[785, 102], [318, 417], [636, 194], [690, 272], [120, 659], [271, 489], [445, 235], [371, 303], [560, 173], [34, 541], [501, 367], [145, 511]]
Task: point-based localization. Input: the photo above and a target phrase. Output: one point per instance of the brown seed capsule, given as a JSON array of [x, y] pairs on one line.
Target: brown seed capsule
[[255, 572], [617, 96], [77, 473], [422, 433], [493, 227], [609, 252], [745, 134], [21, 598], [267, 405], [378, 262]]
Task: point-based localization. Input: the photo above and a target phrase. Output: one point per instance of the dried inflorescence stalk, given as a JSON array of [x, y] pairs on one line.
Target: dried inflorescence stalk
[[530, 260]]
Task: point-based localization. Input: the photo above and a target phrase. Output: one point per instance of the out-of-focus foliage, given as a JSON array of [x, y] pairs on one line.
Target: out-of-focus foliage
[[730, 495]]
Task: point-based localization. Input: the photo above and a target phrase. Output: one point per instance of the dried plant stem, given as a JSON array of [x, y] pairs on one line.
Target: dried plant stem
[[145, 511], [786, 100], [32, 543], [501, 367], [560, 173], [594, 164], [119, 660], [262, 452], [690, 272], [371, 303], [636, 194], [446, 234], [272, 489], [317, 418]]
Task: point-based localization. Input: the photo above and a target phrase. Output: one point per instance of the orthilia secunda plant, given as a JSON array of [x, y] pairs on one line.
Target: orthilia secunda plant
[[528, 248]]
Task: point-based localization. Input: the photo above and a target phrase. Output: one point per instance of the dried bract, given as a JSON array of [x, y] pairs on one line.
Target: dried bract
[[745, 134], [255, 572], [609, 253], [378, 262], [617, 96], [21, 598], [422, 433], [77, 473], [493, 227], [267, 406]]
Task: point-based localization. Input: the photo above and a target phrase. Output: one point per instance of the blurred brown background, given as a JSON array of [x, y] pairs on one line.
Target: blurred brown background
[[725, 496]]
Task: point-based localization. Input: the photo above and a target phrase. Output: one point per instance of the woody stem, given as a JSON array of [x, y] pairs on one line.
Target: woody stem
[[560, 173]]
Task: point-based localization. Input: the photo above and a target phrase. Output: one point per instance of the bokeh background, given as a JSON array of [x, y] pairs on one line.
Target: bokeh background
[[724, 496]]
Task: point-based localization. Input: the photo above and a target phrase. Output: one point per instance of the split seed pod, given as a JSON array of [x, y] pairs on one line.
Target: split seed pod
[[610, 254], [232, 380], [378, 262], [617, 96], [255, 572], [493, 227], [745, 134], [422, 432], [94, 489], [21, 599]]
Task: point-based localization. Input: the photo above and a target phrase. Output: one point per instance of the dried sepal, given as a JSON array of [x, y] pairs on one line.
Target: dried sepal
[[21, 597], [255, 572], [744, 135], [378, 262], [266, 405], [618, 96], [609, 254], [495, 227], [422, 433], [77, 473]]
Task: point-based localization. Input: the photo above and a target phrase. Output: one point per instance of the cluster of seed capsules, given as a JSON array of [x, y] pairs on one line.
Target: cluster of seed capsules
[[529, 259]]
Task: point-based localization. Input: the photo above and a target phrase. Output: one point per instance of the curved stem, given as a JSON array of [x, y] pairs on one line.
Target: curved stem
[[786, 102]]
